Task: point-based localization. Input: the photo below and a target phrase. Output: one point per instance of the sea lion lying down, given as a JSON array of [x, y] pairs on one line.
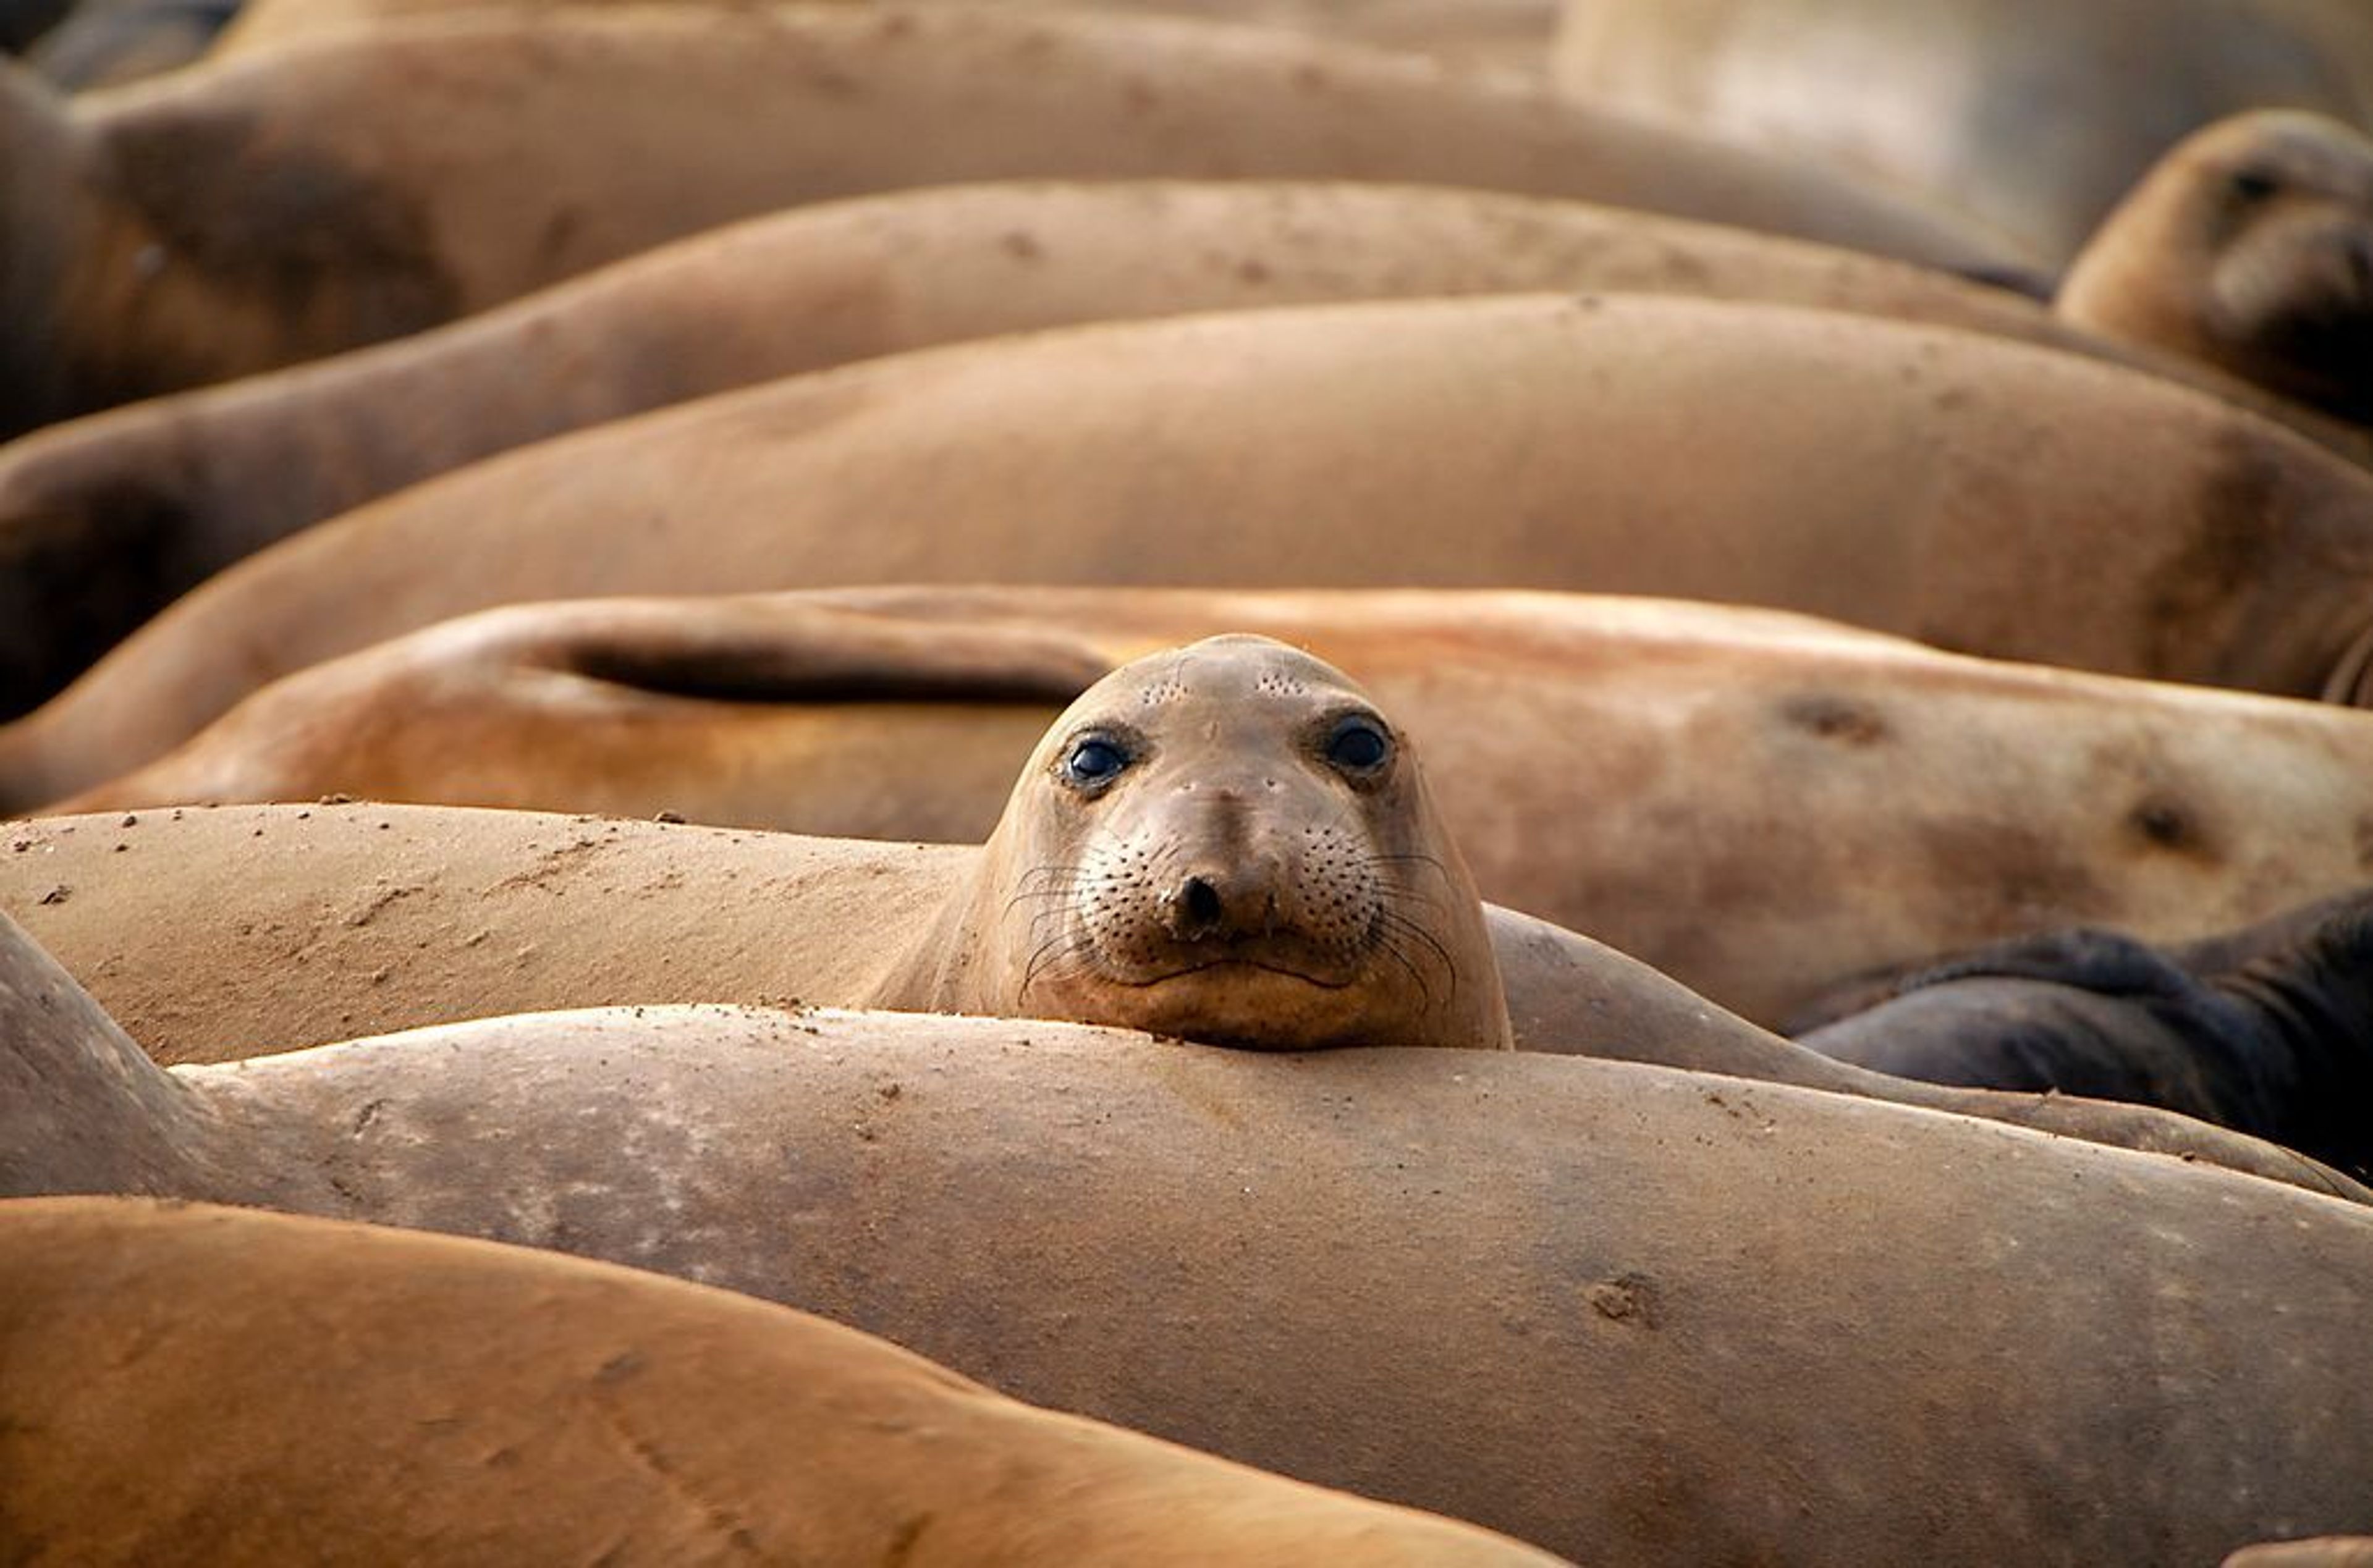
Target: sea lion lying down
[[151, 499], [2019, 503], [210, 1387], [2268, 1029], [1228, 841], [1632, 1314], [1759, 805]]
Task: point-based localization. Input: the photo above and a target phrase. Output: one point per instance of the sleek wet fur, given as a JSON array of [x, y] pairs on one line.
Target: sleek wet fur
[[2269, 1031]]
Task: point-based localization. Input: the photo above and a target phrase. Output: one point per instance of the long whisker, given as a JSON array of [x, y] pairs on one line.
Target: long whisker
[[1395, 924]]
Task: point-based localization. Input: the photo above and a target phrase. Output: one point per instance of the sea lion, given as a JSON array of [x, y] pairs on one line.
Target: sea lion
[[1226, 842], [2033, 116], [2250, 248], [2268, 1030], [1988, 497], [497, 1404], [217, 936], [1502, 35], [1935, 802], [1770, 1293], [157, 496], [294, 201]]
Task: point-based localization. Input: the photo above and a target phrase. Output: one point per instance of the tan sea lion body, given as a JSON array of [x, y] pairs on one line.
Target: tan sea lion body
[[1614, 757], [1325, 1263], [494, 1404], [215, 935], [1504, 35], [158, 495], [299, 201], [2034, 116], [1978, 495], [2249, 248]]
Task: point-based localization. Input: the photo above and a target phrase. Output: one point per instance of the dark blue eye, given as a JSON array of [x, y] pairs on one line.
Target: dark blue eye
[[1358, 746], [1094, 761]]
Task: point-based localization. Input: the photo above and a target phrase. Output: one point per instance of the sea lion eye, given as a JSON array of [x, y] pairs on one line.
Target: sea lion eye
[[1094, 760], [1359, 744], [2253, 184]]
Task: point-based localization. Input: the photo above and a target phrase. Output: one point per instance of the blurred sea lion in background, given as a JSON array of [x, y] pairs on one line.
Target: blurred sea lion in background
[[118, 513], [1980, 495], [2032, 115], [136, 505], [294, 201], [2249, 248], [1503, 35]]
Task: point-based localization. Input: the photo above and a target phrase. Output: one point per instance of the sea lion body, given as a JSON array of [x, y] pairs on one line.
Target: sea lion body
[[1321, 1262], [2034, 116], [1500, 35], [495, 1404], [163, 494], [2268, 1030], [1986, 497], [216, 935], [1612, 754], [294, 201]]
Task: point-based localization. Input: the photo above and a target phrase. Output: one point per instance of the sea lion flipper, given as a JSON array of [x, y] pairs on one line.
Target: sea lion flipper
[[82, 1109], [762, 650]]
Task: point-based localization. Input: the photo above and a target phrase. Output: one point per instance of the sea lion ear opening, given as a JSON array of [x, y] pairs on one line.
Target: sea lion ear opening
[[766, 651], [2350, 685]]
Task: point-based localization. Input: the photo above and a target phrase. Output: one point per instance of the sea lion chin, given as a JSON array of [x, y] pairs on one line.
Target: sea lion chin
[[1226, 842]]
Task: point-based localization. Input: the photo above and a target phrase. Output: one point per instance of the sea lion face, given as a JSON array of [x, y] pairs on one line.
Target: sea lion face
[[2250, 247], [1229, 842], [2289, 208]]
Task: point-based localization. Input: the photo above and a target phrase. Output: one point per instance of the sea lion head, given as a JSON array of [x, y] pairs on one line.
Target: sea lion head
[[1229, 842], [2250, 247]]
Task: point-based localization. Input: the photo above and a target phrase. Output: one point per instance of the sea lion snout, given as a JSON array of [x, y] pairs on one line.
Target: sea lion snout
[[1173, 885]]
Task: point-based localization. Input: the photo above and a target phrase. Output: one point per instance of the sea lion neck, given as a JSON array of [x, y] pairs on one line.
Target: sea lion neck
[[1228, 843]]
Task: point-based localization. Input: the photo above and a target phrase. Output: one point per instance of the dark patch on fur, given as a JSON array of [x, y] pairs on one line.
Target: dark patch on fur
[[2233, 539], [76, 579], [2012, 868], [2164, 825], [341, 260], [1835, 719]]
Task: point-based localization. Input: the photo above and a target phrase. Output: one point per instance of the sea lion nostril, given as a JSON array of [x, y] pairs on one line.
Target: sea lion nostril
[[1195, 908]]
